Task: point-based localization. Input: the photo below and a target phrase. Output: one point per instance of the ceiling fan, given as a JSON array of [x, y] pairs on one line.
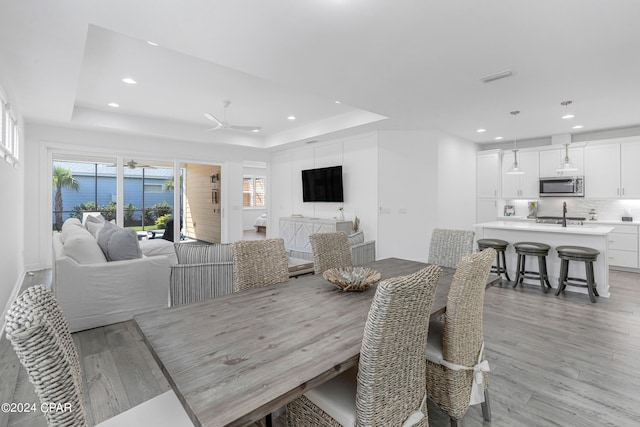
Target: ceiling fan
[[132, 164], [224, 124]]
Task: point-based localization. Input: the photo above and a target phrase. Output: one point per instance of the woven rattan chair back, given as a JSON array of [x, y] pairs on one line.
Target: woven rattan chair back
[[330, 250], [40, 336], [259, 263], [447, 247], [392, 367], [462, 336]]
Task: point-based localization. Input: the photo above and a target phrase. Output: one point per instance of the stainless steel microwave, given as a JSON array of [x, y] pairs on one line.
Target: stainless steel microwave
[[565, 186]]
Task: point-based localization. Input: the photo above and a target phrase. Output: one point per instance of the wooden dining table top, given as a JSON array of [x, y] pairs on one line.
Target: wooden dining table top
[[232, 360]]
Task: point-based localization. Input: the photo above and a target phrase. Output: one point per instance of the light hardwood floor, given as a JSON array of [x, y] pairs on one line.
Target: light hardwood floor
[[555, 361]]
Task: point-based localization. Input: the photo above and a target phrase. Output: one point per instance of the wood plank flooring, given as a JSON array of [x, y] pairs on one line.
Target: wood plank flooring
[[555, 361]]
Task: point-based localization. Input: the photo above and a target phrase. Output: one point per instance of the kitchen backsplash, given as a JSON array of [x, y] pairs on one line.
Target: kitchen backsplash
[[579, 207]]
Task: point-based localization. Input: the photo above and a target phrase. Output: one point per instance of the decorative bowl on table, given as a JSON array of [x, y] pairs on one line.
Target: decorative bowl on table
[[352, 278]]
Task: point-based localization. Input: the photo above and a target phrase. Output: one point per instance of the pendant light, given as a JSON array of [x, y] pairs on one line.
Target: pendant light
[[566, 165], [515, 168]]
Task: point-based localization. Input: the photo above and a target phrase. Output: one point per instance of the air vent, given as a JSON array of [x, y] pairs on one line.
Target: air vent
[[496, 76]]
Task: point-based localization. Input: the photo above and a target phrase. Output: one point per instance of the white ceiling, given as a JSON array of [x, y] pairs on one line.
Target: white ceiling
[[409, 64]]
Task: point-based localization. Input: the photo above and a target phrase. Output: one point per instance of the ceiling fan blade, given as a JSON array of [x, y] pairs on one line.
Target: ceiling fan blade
[[248, 128], [213, 119]]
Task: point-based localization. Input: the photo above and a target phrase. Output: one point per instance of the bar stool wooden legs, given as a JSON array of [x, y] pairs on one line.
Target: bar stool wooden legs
[[578, 253], [500, 246], [539, 250]]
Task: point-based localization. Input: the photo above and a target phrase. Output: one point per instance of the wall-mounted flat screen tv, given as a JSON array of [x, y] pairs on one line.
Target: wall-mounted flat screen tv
[[322, 185]]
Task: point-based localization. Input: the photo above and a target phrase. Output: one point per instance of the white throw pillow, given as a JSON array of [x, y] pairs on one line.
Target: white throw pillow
[[68, 226], [83, 248]]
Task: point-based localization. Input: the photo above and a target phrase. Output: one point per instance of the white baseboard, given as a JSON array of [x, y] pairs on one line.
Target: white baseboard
[[12, 297]]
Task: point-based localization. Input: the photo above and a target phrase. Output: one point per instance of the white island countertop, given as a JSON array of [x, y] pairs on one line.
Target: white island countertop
[[547, 228]]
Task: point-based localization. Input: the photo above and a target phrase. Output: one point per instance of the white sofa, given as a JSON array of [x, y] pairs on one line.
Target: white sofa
[[95, 292]]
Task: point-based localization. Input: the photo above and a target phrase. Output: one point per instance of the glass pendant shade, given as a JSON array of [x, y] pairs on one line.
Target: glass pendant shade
[[566, 165], [515, 167]]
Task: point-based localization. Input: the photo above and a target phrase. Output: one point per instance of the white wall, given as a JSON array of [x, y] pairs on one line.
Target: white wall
[[43, 139], [358, 157], [402, 184], [427, 181], [12, 215]]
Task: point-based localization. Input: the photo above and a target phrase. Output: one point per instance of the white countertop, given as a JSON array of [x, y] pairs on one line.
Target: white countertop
[[547, 228], [586, 222]]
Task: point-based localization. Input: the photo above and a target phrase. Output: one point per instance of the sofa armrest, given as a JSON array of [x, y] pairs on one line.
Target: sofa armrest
[[93, 295], [363, 253], [196, 282]]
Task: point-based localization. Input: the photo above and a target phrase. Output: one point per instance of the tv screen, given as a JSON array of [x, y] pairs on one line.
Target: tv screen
[[322, 185]]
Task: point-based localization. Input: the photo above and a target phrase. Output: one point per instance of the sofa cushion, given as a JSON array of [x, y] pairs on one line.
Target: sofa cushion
[[70, 225], [154, 247], [83, 248], [94, 224], [356, 238], [118, 243], [189, 253]]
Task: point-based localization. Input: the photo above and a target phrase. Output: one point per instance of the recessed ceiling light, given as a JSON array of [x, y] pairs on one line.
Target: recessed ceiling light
[[129, 81], [481, 130], [114, 104], [498, 138], [338, 102], [152, 43], [291, 117], [578, 127], [568, 116], [255, 130]]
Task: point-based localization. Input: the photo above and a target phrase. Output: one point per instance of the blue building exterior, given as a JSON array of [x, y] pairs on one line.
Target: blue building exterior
[[97, 184]]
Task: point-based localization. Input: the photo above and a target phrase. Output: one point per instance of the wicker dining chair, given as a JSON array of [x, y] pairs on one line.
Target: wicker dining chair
[[455, 346], [40, 337], [259, 263], [330, 250], [447, 247], [387, 388]]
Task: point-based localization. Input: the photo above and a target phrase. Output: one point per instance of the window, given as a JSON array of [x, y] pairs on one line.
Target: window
[[10, 135], [253, 192]]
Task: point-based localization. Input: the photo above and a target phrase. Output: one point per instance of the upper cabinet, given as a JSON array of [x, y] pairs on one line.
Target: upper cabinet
[[524, 186], [488, 174], [629, 170], [550, 161], [602, 171], [611, 171]]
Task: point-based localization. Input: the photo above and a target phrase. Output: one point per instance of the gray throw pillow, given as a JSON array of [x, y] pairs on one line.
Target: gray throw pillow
[[94, 224], [118, 243]]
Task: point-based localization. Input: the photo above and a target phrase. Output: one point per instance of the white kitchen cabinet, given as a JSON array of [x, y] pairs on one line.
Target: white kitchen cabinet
[[488, 174], [611, 171], [630, 170], [623, 246], [486, 210], [550, 161], [602, 171], [523, 186]]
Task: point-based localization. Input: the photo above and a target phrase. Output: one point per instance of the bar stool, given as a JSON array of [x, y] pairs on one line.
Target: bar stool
[[500, 246], [578, 253], [539, 250]]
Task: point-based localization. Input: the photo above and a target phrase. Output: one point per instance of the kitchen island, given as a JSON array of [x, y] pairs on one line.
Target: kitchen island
[[553, 235]]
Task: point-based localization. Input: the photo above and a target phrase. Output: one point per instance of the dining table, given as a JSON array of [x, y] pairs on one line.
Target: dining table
[[233, 359]]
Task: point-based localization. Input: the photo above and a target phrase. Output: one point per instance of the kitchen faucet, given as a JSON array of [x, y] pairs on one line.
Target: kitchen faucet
[[564, 214]]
